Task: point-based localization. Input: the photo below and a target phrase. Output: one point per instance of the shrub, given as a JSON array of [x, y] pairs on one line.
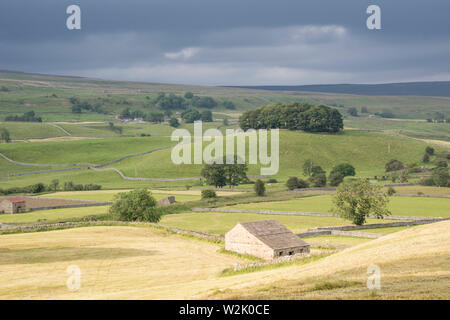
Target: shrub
[[208, 194], [394, 165], [426, 158], [336, 178], [441, 177], [345, 169], [429, 151], [136, 205], [36, 188], [442, 164], [391, 191], [427, 182], [206, 116], [318, 180], [173, 122], [260, 188], [292, 183], [302, 184], [317, 170], [272, 180]]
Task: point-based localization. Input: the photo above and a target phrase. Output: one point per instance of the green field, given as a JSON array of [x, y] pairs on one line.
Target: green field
[[95, 151], [220, 223], [399, 206], [367, 152], [27, 130], [53, 215], [411, 128], [108, 195]]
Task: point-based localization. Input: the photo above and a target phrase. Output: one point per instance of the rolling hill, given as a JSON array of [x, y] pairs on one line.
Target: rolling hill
[[431, 89], [367, 151], [49, 96], [413, 264]]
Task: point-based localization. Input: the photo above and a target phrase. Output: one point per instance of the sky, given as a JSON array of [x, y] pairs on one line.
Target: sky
[[232, 42]]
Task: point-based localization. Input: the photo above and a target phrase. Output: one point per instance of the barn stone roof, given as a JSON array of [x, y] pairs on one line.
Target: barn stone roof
[[274, 234]]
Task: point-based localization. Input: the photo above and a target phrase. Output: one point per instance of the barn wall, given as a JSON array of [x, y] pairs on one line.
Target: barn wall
[[6, 207], [240, 240]]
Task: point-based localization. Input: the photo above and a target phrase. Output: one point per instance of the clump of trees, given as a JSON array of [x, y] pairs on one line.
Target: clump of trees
[[78, 106], [189, 100], [136, 205], [128, 114], [220, 175], [155, 117], [29, 116], [357, 200], [293, 116], [190, 115]]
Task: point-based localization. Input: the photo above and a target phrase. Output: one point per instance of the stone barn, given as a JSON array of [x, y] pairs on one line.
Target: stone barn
[[12, 205], [266, 239], [166, 201]]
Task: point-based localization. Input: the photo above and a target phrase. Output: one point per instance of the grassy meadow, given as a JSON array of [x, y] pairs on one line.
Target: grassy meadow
[[220, 222], [399, 206], [413, 264]]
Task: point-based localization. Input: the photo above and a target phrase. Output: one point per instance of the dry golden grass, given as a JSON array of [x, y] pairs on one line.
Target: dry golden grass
[[59, 139], [415, 264], [116, 262], [438, 142], [425, 190], [140, 263]]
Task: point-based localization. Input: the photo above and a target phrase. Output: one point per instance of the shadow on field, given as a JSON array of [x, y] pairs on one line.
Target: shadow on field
[[59, 254]]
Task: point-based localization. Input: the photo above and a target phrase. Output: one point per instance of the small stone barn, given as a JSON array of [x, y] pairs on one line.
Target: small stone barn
[[166, 201], [12, 205], [266, 239]]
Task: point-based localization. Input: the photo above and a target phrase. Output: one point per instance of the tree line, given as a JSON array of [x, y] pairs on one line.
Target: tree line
[[54, 185], [29, 116]]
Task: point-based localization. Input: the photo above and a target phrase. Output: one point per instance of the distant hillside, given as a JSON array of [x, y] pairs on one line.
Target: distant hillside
[[49, 96], [428, 89]]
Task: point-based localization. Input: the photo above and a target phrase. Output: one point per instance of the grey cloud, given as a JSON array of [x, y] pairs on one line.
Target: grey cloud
[[229, 42]]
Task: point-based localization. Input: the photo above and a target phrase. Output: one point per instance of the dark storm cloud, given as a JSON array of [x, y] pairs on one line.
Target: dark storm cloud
[[229, 42]]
